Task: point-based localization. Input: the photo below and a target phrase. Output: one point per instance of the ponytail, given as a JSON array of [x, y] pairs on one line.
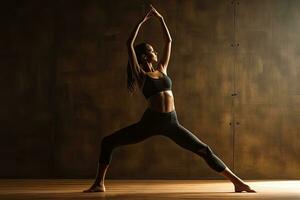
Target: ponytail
[[131, 82], [139, 49]]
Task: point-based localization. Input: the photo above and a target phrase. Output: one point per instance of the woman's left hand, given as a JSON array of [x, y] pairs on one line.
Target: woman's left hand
[[154, 12]]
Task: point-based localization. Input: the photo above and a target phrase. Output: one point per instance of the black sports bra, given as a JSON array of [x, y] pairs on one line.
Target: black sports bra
[[155, 85]]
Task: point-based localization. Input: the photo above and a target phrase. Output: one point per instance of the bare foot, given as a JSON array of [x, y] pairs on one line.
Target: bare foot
[[243, 187], [96, 188]]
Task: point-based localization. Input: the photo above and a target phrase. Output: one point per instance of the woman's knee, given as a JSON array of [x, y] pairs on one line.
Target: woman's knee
[[205, 151], [106, 142]]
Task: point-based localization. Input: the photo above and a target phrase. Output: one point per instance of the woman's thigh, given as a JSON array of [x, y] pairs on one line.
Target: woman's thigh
[[184, 138], [131, 134]]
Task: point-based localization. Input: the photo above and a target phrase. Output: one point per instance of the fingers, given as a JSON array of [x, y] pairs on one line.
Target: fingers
[[152, 12], [152, 8], [148, 15], [155, 12]]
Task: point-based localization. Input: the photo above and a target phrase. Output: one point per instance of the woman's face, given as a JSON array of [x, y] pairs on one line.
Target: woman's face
[[151, 54]]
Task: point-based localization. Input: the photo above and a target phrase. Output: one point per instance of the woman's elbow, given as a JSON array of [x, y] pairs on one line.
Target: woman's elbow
[[168, 42], [129, 43]]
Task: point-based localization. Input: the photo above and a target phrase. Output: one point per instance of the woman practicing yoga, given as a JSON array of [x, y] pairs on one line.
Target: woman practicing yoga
[[160, 116]]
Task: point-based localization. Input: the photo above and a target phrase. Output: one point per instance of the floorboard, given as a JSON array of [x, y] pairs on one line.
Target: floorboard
[[13, 189]]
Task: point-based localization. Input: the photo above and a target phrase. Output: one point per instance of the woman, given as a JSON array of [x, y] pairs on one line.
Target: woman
[[160, 117]]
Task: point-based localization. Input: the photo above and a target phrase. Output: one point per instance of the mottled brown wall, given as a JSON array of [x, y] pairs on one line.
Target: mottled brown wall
[[27, 80], [234, 66], [267, 81]]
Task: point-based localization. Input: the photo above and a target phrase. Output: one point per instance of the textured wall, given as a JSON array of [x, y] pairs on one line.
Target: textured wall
[[267, 81], [27, 80], [234, 68]]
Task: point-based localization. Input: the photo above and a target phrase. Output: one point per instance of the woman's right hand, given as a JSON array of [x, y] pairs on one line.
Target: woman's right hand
[[148, 15]]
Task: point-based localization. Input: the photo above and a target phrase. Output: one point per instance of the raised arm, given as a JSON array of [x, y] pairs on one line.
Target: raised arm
[[136, 69], [168, 41]]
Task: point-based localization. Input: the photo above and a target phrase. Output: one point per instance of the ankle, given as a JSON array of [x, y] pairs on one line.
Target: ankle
[[99, 183], [239, 184]]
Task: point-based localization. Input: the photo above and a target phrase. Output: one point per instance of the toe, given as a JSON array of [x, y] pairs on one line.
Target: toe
[[245, 188], [93, 189]]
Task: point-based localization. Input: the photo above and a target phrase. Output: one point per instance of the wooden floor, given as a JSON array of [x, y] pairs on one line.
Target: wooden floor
[[146, 189]]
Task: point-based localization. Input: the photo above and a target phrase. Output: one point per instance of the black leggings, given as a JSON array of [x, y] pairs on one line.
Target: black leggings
[[158, 123]]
